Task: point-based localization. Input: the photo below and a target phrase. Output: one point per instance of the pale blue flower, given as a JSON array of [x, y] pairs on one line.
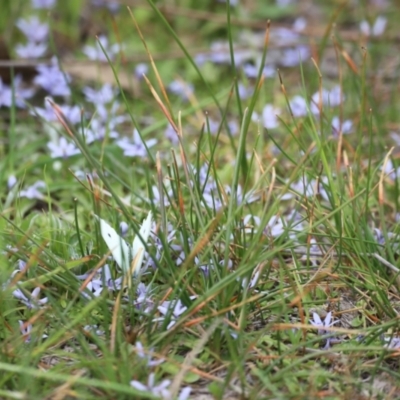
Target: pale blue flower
[[103, 95], [21, 93], [123, 228], [392, 343], [295, 56], [26, 330], [298, 106], [269, 119], [345, 127], [62, 149], [251, 71], [52, 79], [140, 70], [331, 98], [96, 52], [33, 300], [97, 131], [72, 113], [160, 390], [11, 181], [326, 323], [171, 135], [174, 309], [31, 50], [112, 5], [32, 192], [317, 322], [135, 147], [46, 4], [143, 301], [147, 355], [182, 89], [33, 29]]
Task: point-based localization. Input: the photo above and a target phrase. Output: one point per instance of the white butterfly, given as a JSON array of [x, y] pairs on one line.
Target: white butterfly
[[128, 258]]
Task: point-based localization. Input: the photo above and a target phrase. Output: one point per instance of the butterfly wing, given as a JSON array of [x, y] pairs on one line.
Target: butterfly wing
[[118, 247], [138, 246]]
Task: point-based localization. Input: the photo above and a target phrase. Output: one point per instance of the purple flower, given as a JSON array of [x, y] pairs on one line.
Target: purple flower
[[135, 147], [182, 89], [318, 323], [284, 36], [250, 222], [173, 308], [32, 192], [247, 198], [201, 59], [392, 343], [147, 355], [143, 301], [251, 71], [104, 95], [275, 226], [330, 98], [327, 323], [295, 56], [212, 126], [11, 181], [284, 3], [212, 200], [140, 70], [123, 228], [107, 114], [98, 131], [52, 79], [93, 329], [47, 4], [72, 113], [219, 53], [160, 390], [33, 29], [232, 3], [233, 127], [205, 179], [341, 126], [112, 5], [308, 188], [31, 50], [253, 280], [157, 196], [298, 106], [244, 91], [299, 24], [101, 280], [269, 117], [96, 53], [20, 92], [158, 245], [33, 300], [25, 330], [62, 149], [171, 135]]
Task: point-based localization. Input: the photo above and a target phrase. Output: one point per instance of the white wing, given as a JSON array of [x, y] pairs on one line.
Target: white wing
[[138, 246], [118, 247]]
